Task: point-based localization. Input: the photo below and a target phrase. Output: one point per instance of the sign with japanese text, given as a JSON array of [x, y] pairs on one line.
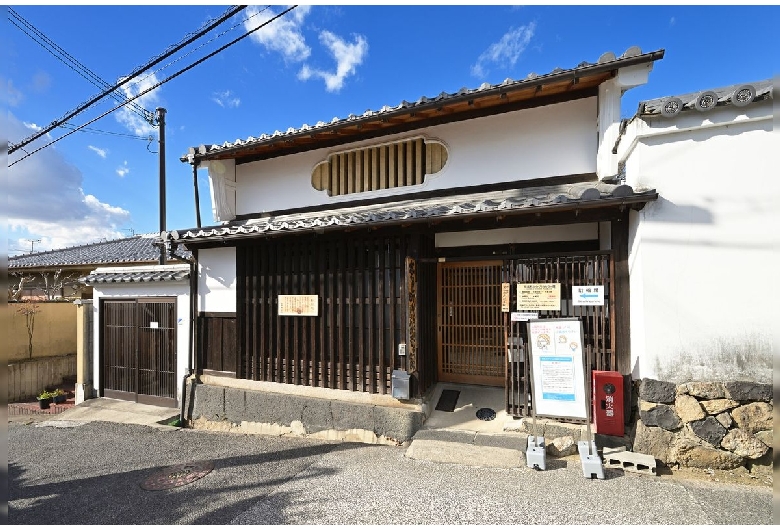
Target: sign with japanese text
[[524, 316], [587, 294], [505, 290], [538, 296], [557, 367], [302, 305]]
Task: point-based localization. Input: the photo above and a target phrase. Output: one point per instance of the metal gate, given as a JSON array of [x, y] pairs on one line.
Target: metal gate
[[470, 327], [138, 350], [598, 322]]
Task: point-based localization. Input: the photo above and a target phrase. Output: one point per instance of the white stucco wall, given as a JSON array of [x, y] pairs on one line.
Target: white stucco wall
[[701, 256], [553, 140], [180, 290], [217, 279], [525, 234]]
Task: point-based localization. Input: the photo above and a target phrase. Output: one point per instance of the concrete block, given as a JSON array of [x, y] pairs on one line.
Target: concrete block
[[396, 424], [535, 453], [519, 443], [443, 435], [235, 405], [316, 415], [348, 416], [591, 461], [629, 461], [209, 402]]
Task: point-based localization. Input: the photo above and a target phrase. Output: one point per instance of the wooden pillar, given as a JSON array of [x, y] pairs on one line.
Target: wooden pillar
[[622, 339]]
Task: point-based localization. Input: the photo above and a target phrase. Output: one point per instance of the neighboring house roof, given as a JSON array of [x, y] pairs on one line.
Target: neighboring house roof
[[671, 105], [580, 195], [534, 90], [136, 249], [161, 273]]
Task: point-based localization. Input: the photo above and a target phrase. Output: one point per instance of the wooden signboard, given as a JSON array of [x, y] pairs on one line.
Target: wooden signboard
[[505, 290], [302, 305]]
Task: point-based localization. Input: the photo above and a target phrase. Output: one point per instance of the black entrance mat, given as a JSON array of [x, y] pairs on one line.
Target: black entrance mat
[[448, 400]]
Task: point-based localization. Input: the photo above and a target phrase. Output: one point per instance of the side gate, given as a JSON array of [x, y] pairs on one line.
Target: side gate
[[598, 322]]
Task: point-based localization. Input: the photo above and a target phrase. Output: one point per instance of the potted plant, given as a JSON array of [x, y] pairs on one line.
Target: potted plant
[[44, 399], [58, 396]]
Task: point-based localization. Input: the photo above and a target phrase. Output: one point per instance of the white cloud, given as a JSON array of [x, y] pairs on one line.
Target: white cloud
[[131, 120], [348, 57], [672, 21], [46, 200], [506, 51], [32, 126], [283, 35], [100, 152], [123, 170], [225, 99]]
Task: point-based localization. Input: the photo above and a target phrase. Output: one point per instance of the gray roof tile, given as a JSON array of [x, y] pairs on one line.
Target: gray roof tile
[[394, 212], [135, 276], [134, 249], [653, 107]]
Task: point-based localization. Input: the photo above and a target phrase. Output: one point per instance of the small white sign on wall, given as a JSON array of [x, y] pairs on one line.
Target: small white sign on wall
[[587, 294], [154, 325]]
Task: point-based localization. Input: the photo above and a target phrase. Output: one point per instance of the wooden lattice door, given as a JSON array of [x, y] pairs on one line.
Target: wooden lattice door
[[470, 325]]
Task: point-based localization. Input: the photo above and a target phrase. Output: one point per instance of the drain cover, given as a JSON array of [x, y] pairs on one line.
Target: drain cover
[[178, 475], [486, 414]]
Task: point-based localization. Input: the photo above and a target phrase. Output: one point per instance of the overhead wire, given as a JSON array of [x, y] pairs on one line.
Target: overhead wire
[[170, 51], [59, 53], [234, 41]]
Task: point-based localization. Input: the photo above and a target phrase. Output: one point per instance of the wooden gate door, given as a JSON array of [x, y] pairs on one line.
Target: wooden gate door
[[139, 350], [470, 325]]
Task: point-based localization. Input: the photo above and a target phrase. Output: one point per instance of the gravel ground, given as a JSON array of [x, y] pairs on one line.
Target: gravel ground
[[91, 474]]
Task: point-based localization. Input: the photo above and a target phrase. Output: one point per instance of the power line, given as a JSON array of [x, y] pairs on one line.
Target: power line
[[229, 13], [59, 53], [158, 84], [99, 131]]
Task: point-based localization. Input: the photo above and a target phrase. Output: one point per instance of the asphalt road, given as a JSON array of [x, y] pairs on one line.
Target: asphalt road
[[91, 474]]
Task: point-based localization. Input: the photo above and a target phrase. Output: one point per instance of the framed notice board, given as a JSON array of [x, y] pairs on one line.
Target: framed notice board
[[558, 368]]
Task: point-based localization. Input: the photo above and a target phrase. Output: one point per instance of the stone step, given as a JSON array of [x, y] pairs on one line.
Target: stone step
[[450, 452]]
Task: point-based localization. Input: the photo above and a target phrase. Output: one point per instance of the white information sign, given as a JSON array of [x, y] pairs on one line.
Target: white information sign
[[558, 367], [523, 316], [587, 294], [538, 296]]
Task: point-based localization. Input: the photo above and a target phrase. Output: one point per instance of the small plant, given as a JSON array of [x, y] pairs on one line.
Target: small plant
[[45, 395], [58, 396], [29, 310]]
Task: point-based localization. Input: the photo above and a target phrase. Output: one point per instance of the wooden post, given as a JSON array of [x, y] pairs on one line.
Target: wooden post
[[622, 296]]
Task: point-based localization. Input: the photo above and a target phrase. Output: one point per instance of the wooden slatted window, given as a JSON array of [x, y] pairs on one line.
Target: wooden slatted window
[[352, 343], [393, 165]]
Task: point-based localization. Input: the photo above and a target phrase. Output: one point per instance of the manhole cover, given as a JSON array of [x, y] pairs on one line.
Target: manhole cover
[[178, 475], [486, 414]]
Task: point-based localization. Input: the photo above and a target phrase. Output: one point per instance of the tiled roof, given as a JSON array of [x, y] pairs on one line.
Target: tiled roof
[[568, 196], [763, 90], [607, 62], [142, 274], [134, 249]]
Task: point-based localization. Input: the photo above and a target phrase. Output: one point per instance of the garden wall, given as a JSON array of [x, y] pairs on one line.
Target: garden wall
[[707, 425]]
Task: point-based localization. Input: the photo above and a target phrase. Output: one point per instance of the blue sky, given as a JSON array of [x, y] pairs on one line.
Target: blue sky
[[315, 63]]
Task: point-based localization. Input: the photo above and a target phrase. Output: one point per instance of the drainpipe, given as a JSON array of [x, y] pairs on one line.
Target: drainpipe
[[197, 194], [193, 357]]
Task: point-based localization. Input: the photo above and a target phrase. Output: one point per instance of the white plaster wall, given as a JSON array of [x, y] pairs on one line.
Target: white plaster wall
[[558, 139], [217, 279], [524, 234], [702, 255], [180, 290]]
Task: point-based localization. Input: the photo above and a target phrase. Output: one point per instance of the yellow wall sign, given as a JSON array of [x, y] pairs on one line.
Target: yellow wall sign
[[505, 297], [302, 305], [538, 296]]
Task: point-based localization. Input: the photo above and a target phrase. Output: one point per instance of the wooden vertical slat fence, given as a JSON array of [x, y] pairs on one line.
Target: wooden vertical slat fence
[[585, 268], [352, 343]]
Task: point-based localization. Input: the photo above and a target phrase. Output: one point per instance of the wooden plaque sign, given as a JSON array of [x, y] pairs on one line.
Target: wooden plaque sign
[[301, 305], [505, 298]]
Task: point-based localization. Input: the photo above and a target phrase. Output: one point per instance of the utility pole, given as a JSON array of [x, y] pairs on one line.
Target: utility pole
[[161, 123]]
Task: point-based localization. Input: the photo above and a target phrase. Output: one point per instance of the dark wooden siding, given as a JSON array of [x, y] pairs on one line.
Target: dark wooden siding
[[217, 342], [426, 316], [352, 344]]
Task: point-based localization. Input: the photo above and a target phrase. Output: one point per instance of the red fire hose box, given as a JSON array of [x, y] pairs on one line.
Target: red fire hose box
[[608, 402]]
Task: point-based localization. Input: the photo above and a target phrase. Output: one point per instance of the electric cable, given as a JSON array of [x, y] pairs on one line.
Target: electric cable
[[232, 11], [158, 84]]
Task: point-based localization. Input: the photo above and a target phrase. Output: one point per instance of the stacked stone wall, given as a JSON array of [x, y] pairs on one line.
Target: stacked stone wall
[[708, 425]]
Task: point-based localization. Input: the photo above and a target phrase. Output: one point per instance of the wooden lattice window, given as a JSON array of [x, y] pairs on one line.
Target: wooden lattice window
[[379, 167]]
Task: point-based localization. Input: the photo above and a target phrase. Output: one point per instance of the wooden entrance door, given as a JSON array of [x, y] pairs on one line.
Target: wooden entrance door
[[470, 325], [138, 350]]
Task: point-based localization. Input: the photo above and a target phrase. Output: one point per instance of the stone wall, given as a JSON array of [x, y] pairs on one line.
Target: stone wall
[[708, 425], [258, 412]]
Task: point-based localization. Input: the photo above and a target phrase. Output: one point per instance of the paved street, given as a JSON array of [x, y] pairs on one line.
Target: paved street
[[90, 473]]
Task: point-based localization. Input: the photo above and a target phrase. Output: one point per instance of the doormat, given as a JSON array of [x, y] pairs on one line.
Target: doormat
[[486, 414], [447, 400]]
